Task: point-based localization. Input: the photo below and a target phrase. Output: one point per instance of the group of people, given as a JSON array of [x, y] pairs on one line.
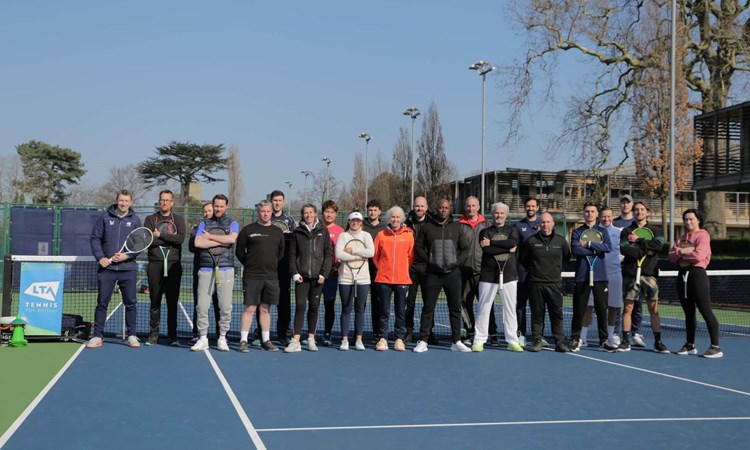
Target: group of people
[[468, 259]]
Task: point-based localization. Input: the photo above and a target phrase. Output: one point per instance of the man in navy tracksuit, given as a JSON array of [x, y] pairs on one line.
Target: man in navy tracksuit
[[107, 238]]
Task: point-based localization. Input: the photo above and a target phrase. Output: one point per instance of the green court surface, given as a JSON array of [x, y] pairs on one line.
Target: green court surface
[[25, 371]]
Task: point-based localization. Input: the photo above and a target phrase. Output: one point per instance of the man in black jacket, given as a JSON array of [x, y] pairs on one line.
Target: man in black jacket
[[544, 255], [417, 218]]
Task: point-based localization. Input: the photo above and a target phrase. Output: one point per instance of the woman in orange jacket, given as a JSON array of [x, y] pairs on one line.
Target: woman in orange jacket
[[394, 253]]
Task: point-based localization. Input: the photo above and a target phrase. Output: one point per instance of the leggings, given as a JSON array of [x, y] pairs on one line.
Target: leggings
[[347, 301], [308, 290], [698, 295]]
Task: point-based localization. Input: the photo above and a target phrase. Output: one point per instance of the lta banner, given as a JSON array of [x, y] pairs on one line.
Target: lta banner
[[41, 297]]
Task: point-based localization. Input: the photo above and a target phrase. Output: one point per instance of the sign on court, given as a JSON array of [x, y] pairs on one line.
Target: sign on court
[[41, 297]]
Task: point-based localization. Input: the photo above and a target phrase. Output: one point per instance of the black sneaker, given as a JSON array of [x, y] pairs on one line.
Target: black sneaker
[[624, 346], [433, 340], [243, 347], [574, 345], [687, 349], [659, 347], [409, 336], [327, 341], [537, 346], [269, 346], [562, 348], [284, 342], [607, 347], [713, 351], [494, 341], [153, 339]]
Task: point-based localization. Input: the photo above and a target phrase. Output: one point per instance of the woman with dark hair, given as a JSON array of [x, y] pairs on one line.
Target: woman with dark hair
[[692, 253]]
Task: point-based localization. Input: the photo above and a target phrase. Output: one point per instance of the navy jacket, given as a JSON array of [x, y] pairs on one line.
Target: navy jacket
[[598, 250], [109, 234]]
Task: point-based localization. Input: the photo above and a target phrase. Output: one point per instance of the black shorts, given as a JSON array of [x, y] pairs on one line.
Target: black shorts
[[258, 292]]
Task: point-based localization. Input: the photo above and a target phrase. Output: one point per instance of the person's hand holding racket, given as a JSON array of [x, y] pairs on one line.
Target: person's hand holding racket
[[216, 251], [589, 236], [137, 241], [686, 247], [502, 258], [165, 227], [647, 235]]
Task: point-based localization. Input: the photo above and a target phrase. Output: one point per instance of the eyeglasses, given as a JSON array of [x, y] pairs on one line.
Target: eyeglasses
[[165, 200]]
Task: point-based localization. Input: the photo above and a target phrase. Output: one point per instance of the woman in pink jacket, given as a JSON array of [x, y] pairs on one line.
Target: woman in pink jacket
[[692, 253]]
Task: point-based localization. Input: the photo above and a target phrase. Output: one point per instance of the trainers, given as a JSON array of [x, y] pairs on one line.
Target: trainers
[[521, 339], [195, 339], [421, 347], [269, 346], [133, 342], [200, 345], [311, 345], [255, 342], [624, 346], [659, 347], [560, 347], [344, 345], [582, 343], [409, 336], [221, 344], [537, 346], [713, 351], [477, 348], [284, 342], [605, 346], [382, 345], [433, 340], [616, 340], [638, 340], [153, 339], [293, 347], [175, 343], [574, 345], [94, 342], [399, 346], [545, 344], [494, 341], [515, 348], [460, 347], [243, 347], [466, 342], [687, 349], [359, 345], [327, 340]]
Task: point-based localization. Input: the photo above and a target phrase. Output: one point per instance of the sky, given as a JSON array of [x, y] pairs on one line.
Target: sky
[[287, 82]]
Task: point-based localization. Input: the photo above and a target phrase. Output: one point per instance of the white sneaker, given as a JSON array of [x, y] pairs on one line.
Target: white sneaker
[[460, 347], [421, 347], [200, 345], [616, 340], [359, 345], [311, 345], [293, 347], [344, 345], [583, 343], [133, 342], [94, 342], [221, 344], [638, 341]]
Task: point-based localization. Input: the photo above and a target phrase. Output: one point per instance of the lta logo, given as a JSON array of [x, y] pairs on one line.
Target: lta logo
[[46, 290]]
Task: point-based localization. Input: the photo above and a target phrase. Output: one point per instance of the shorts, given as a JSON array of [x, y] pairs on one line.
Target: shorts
[[258, 292], [648, 287]]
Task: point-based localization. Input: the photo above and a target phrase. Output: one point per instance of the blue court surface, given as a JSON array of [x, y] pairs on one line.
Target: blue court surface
[[165, 397]]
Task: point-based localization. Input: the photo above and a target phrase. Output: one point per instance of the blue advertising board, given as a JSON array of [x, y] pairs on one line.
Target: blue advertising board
[[41, 297]]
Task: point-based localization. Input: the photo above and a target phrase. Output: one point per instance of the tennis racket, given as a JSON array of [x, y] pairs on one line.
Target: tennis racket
[[502, 258], [685, 264], [280, 224], [166, 227], [647, 235], [137, 241], [355, 264], [217, 251], [591, 235]]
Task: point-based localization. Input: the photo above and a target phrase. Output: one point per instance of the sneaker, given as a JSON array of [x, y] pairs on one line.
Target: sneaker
[[574, 345], [466, 342], [175, 343], [713, 351], [638, 340], [460, 347], [624, 346], [195, 339], [200, 345], [562, 348], [433, 340], [477, 348], [255, 342], [359, 345], [284, 342], [133, 342], [382, 345], [221, 344], [421, 347], [515, 348], [521, 340], [545, 344], [327, 340], [582, 343], [311, 345], [409, 336], [399, 346], [537, 346], [494, 341], [293, 347], [94, 342], [605, 346], [269, 346], [687, 349], [243, 347], [616, 340], [659, 347], [153, 339], [344, 345]]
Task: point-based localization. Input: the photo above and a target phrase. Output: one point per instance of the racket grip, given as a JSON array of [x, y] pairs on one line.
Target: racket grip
[[501, 281], [216, 275], [591, 278], [637, 276], [166, 268], [684, 280]]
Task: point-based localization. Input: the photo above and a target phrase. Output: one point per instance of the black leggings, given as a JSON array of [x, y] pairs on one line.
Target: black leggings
[[698, 295], [308, 290]]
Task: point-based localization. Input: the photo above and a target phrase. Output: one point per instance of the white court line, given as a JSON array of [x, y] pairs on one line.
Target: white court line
[[500, 424], [666, 375], [251, 431], [29, 409]]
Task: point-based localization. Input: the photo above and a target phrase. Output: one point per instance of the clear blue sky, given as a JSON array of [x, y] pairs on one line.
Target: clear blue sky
[[288, 82]]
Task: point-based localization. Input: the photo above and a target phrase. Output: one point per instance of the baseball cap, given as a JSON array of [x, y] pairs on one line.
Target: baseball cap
[[626, 197], [356, 215]]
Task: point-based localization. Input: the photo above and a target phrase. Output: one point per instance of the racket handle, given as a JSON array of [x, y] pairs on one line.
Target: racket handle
[[216, 275], [501, 281], [166, 268], [637, 276], [684, 280], [591, 277]]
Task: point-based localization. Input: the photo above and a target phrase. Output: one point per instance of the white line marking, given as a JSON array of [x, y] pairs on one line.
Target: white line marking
[[251, 431], [674, 377], [498, 424]]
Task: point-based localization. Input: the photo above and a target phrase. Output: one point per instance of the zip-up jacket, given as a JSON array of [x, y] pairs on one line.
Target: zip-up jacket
[[592, 249], [394, 252], [526, 229], [173, 242], [438, 245], [636, 250], [416, 225], [109, 234], [700, 257], [544, 258], [346, 274], [490, 267], [471, 251], [311, 251]]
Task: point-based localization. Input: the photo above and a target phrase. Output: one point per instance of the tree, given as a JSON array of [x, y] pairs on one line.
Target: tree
[[234, 173], [608, 34], [47, 169], [185, 163], [434, 171], [400, 182], [355, 193], [10, 178], [124, 178]]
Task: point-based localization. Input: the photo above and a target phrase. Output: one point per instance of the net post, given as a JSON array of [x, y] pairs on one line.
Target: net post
[[7, 285]]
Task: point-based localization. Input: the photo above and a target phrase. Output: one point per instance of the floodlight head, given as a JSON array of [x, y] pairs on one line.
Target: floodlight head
[[305, 173], [482, 67], [326, 160], [365, 136], [412, 112]]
